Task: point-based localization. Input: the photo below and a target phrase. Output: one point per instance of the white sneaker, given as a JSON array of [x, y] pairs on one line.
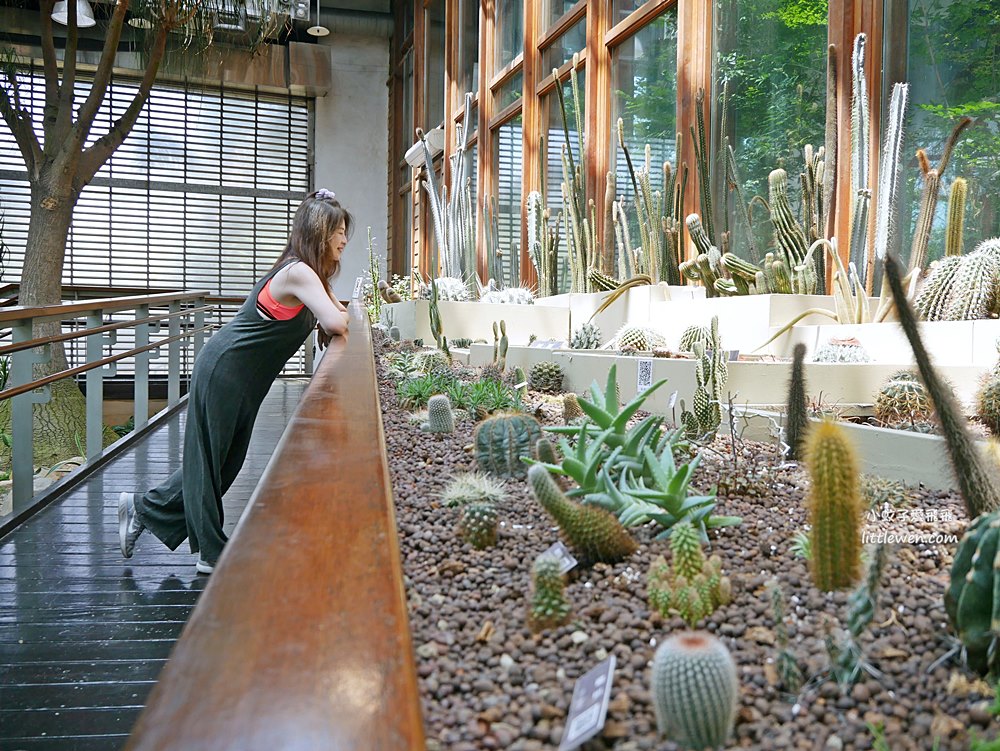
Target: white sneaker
[[204, 567], [129, 524]]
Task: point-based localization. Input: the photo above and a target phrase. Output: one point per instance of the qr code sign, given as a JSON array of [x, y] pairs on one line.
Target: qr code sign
[[645, 375]]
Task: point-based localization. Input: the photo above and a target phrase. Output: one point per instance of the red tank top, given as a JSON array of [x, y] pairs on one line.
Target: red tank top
[[270, 308]]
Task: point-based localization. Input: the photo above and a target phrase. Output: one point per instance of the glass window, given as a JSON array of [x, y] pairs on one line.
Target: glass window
[[555, 140], [507, 165], [622, 9], [772, 54], [510, 90], [407, 18], [950, 59], [510, 31], [563, 49], [468, 46], [553, 10], [644, 86], [409, 131], [434, 65]]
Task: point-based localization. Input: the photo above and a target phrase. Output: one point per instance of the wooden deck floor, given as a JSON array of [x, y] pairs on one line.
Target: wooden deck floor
[[83, 632]]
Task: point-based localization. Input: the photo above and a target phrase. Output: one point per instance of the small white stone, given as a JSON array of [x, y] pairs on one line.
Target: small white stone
[[601, 654], [506, 661], [579, 637]]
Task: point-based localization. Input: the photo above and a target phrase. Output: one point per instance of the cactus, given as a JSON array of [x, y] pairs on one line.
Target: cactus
[[959, 288], [798, 417], [839, 352], [471, 486], [490, 372], [694, 587], [546, 452], [571, 408], [847, 658], [502, 440], [789, 237], [693, 335], [387, 293], [639, 338], [695, 690], [520, 382], [789, 672], [549, 607], [956, 217], [500, 344], [439, 416], [546, 376], [588, 336], [836, 511], [394, 333], [972, 599], [977, 480], [543, 243], [902, 401], [477, 524], [594, 534], [988, 404], [712, 373], [509, 296]]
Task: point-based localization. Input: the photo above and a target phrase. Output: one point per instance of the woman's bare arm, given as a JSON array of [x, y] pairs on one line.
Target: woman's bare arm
[[298, 283]]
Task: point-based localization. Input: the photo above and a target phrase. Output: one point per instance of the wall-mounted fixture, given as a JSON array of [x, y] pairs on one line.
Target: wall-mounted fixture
[[84, 14], [319, 30], [414, 155]]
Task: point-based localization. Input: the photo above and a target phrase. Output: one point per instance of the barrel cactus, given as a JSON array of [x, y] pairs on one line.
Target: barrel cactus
[[588, 336], [546, 376], [467, 487], [838, 352], [903, 400], [448, 288], [695, 690], [836, 511], [477, 524], [692, 335], [501, 441], [988, 404], [394, 333], [571, 408], [595, 534], [439, 416], [972, 599], [638, 338], [549, 607]]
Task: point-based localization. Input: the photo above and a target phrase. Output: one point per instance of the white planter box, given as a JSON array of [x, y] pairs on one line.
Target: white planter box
[[517, 356], [474, 320]]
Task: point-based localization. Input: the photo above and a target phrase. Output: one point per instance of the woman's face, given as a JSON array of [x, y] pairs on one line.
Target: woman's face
[[338, 240]]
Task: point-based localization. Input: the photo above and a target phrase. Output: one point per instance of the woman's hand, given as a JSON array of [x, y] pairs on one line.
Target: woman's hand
[[322, 338]]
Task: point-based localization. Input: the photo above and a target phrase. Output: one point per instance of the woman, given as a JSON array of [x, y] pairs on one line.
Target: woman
[[231, 377]]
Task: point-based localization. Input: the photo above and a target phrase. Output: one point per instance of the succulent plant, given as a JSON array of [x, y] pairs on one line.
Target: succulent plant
[[439, 416], [903, 400], [798, 416], [594, 534], [501, 441], [509, 296], [467, 487], [836, 512], [638, 338], [428, 360], [571, 408], [588, 336], [692, 335], [962, 287], [491, 372], [546, 376], [711, 373], [695, 690], [477, 524], [449, 288], [972, 599], [461, 342], [549, 607], [394, 333], [847, 660], [500, 343], [546, 452], [836, 352], [693, 587], [789, 672], [988, 404]]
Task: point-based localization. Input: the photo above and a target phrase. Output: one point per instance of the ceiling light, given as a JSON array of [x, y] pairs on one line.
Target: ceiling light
[[84, 14], [318, 30]]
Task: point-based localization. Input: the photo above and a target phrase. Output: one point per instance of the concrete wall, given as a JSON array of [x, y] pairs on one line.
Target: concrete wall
[[352, 145]]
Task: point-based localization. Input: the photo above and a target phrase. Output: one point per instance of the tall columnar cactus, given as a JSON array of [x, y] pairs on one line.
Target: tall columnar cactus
[[501, 441], [477, 524], [549, 607], [695, 690], [798, 417], [439, 416], [588, 336], [956, 217], [500, 344], [543, 243], [789, 672], [706, 266], [836, 512], [977, 481], [789, 237], [972, 599], [594, 534], [888, 186], [860, 139], [711, 373]]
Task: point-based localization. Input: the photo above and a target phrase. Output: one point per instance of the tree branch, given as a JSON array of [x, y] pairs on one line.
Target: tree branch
[[88, 111], [19, 123], [56, 135], [50, 66], [98, 153]]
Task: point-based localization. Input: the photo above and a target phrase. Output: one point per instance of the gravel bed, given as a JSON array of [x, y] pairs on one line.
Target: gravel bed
[[487, 682]]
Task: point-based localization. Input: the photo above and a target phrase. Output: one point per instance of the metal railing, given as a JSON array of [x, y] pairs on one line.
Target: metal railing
[[185, 321]]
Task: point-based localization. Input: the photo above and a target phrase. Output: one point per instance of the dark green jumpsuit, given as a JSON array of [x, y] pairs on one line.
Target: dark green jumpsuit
[[231, 377]]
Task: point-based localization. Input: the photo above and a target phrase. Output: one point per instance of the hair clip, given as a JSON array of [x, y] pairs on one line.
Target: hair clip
[[325, 195]]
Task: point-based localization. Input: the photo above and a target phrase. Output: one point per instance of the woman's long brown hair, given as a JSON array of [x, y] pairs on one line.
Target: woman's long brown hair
[[315, 221]]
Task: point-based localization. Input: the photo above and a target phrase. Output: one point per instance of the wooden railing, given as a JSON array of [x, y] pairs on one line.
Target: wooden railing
[[301, 640]]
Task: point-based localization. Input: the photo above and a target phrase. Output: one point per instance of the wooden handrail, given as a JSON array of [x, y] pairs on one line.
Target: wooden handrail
[[301, 639], [107, 305]]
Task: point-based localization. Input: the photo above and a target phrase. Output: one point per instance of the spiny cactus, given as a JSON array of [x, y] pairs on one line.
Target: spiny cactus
[[972, 599], [439, 416], [502, 440], [977, 480], [520, 382], [836, 511], [692, 335], [640, 338], [477, 524], [789, 672], [693, 587], [490, 372], [695, 690], [588, 336], [509, 296], [594, 534], [847, 660], [903, 401], [449, 288], [500, 344], [394, 333], [988, 405], [571, 408], [960, 288], [387, 293], [543, 243], [546, 376], [956, 217], [711, 373], [546, 452], [467, 487], [549, 607], [835, 352], [798, 416]]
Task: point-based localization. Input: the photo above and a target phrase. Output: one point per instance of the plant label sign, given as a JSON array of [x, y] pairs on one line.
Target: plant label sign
[[589, 707], [673, 400], [645, 371], [356, 295], [547, 344], [559, 551]]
